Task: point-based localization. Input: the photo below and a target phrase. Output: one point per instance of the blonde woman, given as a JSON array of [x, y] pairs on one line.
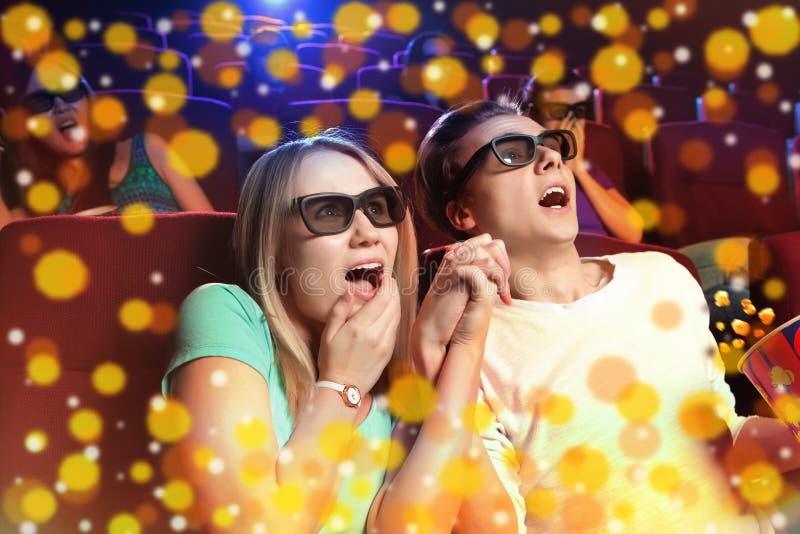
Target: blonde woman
[[281, 374]]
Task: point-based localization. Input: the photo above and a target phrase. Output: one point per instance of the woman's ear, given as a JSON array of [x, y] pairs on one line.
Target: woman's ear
[[460, 215]]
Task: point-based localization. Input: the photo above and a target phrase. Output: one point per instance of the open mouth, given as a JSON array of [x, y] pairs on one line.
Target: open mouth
[[66, 125], [365, 278], [554, 198]]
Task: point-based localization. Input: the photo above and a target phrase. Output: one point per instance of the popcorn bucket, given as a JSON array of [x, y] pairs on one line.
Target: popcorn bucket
[[773, 366]]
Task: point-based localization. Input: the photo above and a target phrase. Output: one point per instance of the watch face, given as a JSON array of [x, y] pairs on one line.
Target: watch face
[[353, 395]]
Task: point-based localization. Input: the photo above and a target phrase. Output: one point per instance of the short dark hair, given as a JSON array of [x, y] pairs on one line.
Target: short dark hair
[[437, 160], [531, 91]]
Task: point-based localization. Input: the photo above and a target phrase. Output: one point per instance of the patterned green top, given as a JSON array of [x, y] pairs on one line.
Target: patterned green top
[[143, 184]]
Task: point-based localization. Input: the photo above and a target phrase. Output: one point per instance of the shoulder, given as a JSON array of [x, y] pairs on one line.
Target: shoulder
[[215, 298], [222, 320], [659, 270], [153, 141]]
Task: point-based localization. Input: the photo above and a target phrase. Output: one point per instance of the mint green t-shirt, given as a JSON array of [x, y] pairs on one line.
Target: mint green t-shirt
[[223, 320]]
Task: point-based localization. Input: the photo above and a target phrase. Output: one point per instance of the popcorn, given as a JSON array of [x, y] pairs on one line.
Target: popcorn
[[741, 328], [766, 316]]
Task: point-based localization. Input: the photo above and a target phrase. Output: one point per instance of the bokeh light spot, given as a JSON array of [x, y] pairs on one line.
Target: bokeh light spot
[[264, 132], [178, 495], [549, 67], [400, 157], [221, 21], [108, 378], [664, 478], [36, 441], [288, 498], [461, 477], [141, 472], [583, 468], [541, 503], [558, 409], [695, 154], [355, 22], [119, 37], [137, 218], [638, 402], [193, 153], [667, 315], [776, 30], [39, 505], [135, 314], [609, 376], [412, 398], [74, 29], [78, 472], [639, 440], [403, 17], [124, 523], [616, 68], [43, 197], [43, 369], [282, 64], [731, 255], [550, 24], [726, 53], [26, 27], [85, 425], [58, 71], [252, 433], [60, 275], [701, 416], [761, 483], [364, 104], [168, 420], [165, 93]]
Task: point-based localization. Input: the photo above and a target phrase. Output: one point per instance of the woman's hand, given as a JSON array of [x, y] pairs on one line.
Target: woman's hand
[[356, 347], [576, 126], [460, 299]]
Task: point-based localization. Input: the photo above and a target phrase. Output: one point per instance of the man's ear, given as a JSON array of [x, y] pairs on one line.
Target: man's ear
[[460, 216]]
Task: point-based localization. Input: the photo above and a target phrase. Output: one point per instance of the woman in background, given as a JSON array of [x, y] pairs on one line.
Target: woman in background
[[93, 177], [564, 106]]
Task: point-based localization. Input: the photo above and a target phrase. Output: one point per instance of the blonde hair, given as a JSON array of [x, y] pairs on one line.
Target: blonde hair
[[259, 240]]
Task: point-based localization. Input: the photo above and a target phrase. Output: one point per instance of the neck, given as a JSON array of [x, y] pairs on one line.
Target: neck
[[550, 273], [72, 174]]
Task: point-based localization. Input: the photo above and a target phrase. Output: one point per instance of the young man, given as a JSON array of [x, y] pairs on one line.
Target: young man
[[610, 405]]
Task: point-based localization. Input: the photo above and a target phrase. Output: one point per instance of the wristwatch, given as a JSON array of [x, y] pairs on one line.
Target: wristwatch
[[350, 394]]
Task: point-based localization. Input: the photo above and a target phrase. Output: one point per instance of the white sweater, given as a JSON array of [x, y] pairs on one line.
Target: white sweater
[[601, 406]]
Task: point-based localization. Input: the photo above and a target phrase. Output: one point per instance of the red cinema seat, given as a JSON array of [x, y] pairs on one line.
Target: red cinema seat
[[703, 168], [746, 107], [774, 261], [793, 151], [673, 103], [693, 82], [496, 85], [604, 149], [82, 291]]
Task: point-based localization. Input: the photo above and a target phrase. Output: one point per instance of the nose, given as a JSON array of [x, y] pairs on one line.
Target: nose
[[59, 104], [547, 160], [364, 233]]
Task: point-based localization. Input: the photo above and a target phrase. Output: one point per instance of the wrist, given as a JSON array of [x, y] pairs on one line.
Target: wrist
[[349, 393]]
